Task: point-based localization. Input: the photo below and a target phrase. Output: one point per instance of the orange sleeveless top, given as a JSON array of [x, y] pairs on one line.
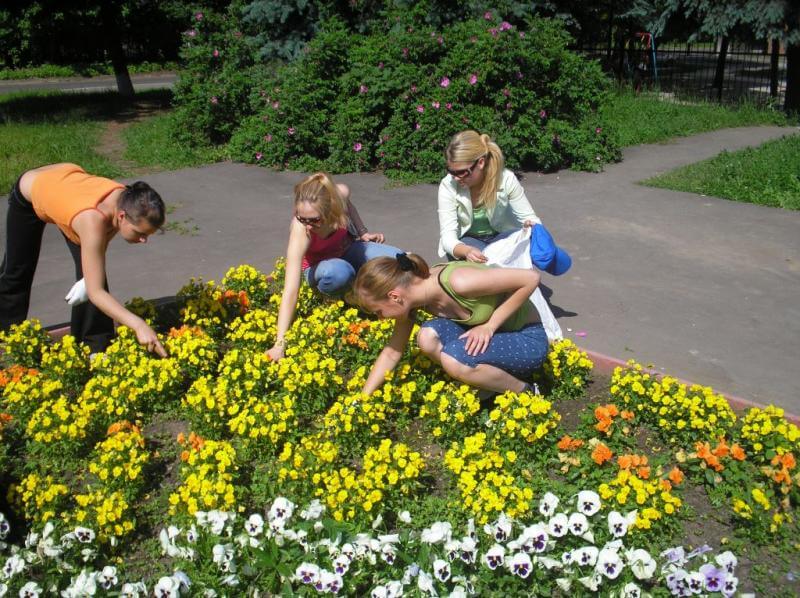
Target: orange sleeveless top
[[59, 194]]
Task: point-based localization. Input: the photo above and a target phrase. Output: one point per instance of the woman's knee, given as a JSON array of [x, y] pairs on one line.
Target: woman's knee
[[333, 276], [454, 368], [428, 341]]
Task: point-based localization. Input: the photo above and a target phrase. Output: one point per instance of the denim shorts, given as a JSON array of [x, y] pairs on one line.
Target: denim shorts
[[520, 353]]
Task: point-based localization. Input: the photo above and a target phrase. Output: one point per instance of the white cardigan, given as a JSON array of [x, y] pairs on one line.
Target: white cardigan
[[510, 211]]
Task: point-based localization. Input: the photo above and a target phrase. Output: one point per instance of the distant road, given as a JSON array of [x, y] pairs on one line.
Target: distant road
[[87, 84]]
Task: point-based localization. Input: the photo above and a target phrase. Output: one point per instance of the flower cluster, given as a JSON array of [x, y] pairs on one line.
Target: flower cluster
[[449, 410], [22, 344], [695, 413], [525, 416], [569, 367], [194, 351], [208, 474]]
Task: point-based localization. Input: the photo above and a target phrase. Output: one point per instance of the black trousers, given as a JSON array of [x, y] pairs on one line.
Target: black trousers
[[24, 232]]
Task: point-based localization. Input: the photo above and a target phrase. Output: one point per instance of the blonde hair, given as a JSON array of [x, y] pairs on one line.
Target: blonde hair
[[382, 274], [466, 147], [320, 191]]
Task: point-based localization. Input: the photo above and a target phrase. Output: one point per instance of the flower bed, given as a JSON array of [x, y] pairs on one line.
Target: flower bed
[[217, 471]]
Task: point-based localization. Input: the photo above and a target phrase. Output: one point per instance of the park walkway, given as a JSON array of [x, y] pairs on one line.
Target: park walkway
[[705, 289]]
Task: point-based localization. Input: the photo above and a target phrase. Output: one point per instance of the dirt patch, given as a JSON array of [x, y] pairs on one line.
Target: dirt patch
[[112, 145]]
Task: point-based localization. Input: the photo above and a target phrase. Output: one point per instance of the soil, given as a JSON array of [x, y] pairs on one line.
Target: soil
[[111, 144]]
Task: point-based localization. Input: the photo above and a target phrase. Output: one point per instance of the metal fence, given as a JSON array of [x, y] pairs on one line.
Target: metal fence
[[708, 71]]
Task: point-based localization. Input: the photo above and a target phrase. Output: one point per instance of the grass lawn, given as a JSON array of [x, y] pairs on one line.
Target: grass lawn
[[149, 145], [768, 175], [643, 118]]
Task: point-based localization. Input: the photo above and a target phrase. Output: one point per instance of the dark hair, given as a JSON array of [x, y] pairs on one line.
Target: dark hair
[[140, 200]]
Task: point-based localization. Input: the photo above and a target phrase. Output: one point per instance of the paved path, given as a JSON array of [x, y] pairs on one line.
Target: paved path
[[140, 82], [705, 289]]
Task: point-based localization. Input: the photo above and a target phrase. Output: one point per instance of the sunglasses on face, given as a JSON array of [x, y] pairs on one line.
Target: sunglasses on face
[[309, 221], [463, 172]]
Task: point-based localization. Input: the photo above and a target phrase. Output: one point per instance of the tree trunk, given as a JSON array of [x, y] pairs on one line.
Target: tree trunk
[[110, 17], [792, 103], [719, 74], [775, 51]]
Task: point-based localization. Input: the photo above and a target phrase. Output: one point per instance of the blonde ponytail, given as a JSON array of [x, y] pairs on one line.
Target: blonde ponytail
[[466, 147], [380, 275]]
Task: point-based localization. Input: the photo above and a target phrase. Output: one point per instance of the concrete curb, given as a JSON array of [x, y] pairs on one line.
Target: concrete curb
[[606, 364]]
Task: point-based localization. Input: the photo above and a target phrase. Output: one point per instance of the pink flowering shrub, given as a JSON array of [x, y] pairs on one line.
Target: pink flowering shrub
[[399, 95]]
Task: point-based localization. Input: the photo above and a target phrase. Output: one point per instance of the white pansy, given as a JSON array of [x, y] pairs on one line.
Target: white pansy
[[729, 585], [468, 550], [341, 564], [254, 524], [440, 531], [133, 590], [281, 509], [30, 590], [441, 570], [404, 516], [609, 563], [641, 563], [167, 587], [379, 592], [222, 555], [591, 581], [631, 590], [307, 573], [727, 560], [588, 502], [230, 580], [452, 549], [217, 521], [500, 530], [3, 589], [547, 562], [586, 556], [5, 527], [617, 524], [388, 554], [558, 526], [388, 539], [425, 584], [183, 580], [85, 584], [520, 564], [458, 592], [14, 565], [394, 589], [696, 582], [548, 504], [313, 510], [564, 583], [108, 577], [84, 535], [376, 523], [494, 557], [578, 524]]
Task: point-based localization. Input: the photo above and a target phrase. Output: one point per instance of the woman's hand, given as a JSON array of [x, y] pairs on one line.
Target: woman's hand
[[149, 339], [374, 237], [277, 352], [478, 339], [474, 254], [528, 224]]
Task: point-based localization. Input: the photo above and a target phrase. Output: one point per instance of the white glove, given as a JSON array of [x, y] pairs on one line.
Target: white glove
[[77, 294]]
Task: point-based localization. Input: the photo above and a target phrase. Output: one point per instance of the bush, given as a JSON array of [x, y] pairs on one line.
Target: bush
[[212, 92], [393, 99]]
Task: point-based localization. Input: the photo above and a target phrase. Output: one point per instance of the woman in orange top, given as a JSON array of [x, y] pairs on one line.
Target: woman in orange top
[[89, 210]]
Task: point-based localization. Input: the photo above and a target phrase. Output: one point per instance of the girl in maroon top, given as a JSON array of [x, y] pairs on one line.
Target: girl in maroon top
[[328, 243]]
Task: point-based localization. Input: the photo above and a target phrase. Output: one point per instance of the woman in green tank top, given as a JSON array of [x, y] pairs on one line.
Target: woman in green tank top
[[486, 333]]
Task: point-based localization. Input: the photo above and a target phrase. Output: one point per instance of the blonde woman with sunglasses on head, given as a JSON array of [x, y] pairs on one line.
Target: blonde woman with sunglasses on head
[[479, 200], [328, 243]]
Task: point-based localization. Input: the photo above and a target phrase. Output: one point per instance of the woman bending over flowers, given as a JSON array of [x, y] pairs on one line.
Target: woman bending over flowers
[[479, 200], [328, 243], [486, 333]]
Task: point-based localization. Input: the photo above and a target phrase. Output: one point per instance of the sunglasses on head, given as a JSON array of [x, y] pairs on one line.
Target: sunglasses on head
[[463, 172], [309, 221]]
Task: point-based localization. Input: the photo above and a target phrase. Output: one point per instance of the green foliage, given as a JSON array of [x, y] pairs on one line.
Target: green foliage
[[638, 118], [81, 70], [211, 95], [766, 175], [150, 144], [394, 100]]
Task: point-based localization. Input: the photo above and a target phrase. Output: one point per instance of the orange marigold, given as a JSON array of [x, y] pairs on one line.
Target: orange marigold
[[675, 476], [601, 454]]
